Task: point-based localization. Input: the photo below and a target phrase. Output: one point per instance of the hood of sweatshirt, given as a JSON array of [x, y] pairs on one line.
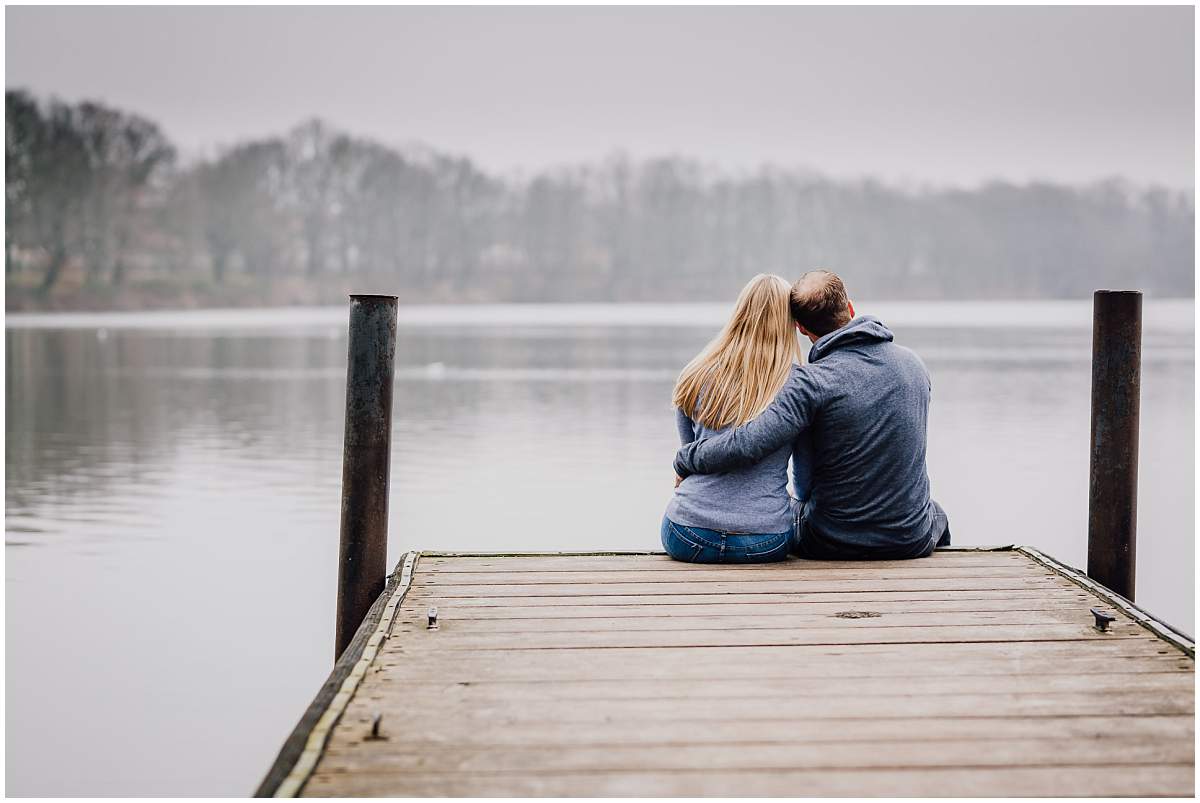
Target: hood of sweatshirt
[[863, 329]]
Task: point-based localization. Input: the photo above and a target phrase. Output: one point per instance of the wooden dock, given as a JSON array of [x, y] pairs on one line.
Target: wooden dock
[[972, 672]]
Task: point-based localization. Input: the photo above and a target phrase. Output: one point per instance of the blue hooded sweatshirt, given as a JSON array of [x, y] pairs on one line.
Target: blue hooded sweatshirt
[[865, 402]]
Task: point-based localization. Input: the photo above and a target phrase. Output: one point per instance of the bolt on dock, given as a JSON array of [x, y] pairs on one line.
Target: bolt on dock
[[979, 672]]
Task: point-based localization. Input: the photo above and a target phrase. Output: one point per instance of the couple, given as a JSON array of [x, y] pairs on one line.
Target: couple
[[852, 421]]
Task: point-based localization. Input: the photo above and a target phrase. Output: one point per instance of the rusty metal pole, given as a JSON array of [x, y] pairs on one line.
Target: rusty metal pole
[[366, 461], [1116, 402]]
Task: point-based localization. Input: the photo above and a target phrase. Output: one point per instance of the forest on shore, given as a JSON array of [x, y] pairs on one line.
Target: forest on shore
[[101, 213]]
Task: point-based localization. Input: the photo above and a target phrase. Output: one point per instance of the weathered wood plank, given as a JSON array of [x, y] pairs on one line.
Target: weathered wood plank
[[454, 610], [746, 730], [685, 619], [857, 660], [897, 672], [937, 561], [750, 596], [747, 636], [1060, 781], [731, 574], [583, 587], [592, 666], [637, 688], [1135, 702], [401, 758]]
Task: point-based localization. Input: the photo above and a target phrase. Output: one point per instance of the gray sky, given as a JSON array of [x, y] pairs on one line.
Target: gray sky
[[940, 94]]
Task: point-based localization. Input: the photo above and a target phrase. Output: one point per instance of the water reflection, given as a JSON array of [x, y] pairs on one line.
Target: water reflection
[[172, 493]]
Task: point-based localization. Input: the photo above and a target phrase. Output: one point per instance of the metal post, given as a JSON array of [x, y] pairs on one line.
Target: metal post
[[366, 459], [1116, 401]]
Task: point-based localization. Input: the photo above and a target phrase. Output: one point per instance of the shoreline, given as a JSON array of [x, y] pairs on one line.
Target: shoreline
[[1172, 314], [144, 297]]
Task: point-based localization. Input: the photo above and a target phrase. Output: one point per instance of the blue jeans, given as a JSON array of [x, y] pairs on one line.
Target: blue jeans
[[697, 545]]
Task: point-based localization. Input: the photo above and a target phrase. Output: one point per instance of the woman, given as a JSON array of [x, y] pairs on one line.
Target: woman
[[742, 516]]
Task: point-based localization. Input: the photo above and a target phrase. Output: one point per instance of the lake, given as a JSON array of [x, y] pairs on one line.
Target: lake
[[173, 484]]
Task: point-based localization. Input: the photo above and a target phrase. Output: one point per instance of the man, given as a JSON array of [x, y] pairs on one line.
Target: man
[[865, 402]]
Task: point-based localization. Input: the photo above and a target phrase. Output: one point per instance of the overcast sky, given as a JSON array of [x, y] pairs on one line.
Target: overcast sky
[[939, 94]]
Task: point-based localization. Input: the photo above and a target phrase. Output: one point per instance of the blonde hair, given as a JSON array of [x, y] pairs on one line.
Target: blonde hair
[[745, 365]]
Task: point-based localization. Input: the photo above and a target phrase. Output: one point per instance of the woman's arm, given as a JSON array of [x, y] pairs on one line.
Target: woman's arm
[[687, 432], [778, 425]]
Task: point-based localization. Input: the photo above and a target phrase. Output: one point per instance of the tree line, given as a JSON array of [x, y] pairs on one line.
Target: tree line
[[101, 194]]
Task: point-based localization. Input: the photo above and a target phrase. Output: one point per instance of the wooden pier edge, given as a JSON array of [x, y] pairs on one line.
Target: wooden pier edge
[[303, 748], [1166, 632]]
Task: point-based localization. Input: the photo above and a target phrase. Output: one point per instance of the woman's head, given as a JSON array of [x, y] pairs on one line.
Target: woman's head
[[743, 368]]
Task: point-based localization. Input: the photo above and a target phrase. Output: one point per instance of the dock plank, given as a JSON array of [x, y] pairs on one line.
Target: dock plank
[[751, 636], [800, 613], [1059, 704], [800, 662], [745, 730], [865, 754], [596, 585], [967, 673], [1175, 682], [607, 563], [748, 595], [790, 617], [1059, 781], [732, 574]]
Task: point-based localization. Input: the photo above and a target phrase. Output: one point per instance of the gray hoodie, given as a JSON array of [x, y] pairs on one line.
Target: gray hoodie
[[865, 402], [749, 499]]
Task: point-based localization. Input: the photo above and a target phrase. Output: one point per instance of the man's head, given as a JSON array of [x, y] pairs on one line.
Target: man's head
[[819, 304]]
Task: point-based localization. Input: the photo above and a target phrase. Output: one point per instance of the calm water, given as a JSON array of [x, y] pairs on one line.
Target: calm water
[[172, 489]]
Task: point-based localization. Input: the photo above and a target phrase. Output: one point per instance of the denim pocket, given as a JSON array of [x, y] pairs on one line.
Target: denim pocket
[[678, 545], [777, 543], [763, 550], [695, 538]]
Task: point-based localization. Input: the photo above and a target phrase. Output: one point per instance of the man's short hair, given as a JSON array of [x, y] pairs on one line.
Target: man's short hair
[[819, 302]]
